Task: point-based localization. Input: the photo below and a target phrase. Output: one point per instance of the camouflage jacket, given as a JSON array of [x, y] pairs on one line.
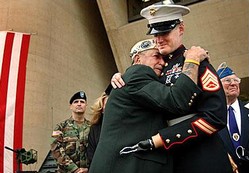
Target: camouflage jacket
[[68, 146]]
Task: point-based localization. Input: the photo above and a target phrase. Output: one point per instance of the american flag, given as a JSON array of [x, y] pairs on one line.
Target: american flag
[[13, 58]]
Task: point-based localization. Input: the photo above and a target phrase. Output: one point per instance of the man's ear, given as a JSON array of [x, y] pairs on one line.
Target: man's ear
[[136, 59]]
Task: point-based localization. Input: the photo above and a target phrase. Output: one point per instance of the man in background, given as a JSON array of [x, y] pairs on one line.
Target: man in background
[[236, 133], [70, 138]]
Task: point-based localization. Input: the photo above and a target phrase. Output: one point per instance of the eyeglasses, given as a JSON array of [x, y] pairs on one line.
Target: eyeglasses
[[230, 80]]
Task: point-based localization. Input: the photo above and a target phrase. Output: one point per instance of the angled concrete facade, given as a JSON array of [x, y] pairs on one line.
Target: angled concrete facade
[[220, 26]]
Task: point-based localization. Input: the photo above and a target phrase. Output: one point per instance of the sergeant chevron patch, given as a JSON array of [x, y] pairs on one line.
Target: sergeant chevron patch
[[210, 81], [204, 126]]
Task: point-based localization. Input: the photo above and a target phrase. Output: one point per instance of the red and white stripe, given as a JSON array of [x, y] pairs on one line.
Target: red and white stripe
[[13, 58], [205, 126]]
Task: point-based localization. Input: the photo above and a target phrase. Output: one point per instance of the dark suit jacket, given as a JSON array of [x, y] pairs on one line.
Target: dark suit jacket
[[93, 140], [136, 112], [242, 165]]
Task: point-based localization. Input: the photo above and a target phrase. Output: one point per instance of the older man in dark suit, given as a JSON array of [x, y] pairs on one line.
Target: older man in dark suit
[[236, 134], [137, 110]]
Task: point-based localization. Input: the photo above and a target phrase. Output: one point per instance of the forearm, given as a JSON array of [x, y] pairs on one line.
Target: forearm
[[62, 160], [191, 70], [193, 57]]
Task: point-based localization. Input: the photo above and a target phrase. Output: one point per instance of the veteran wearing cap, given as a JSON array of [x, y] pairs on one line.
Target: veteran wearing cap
[[191, 139], [236, 134], [70, 138], [137, 111]]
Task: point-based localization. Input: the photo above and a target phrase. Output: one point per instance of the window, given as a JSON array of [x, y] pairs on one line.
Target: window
[[135, 6]]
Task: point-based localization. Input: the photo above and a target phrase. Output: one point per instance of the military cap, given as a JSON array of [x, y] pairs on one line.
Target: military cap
[[78, 95], [142, 46], [164, 16], [224, 71]]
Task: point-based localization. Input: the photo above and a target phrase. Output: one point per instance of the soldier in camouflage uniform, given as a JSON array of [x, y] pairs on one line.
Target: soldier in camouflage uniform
[[70, 138]]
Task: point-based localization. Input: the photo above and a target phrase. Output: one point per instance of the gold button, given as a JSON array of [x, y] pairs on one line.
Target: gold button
[[193, 97], [191, 101], [162, 74], [166, 64], [189, 131], [167, 140], [178, 135], [189, 104], [195, 94]]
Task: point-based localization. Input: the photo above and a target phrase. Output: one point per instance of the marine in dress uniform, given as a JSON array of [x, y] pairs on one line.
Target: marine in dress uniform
[[136, 112], [241, 111], [192, 140]]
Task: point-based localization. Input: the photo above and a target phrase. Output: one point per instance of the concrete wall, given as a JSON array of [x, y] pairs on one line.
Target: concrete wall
[[68, 52], [220, 26]]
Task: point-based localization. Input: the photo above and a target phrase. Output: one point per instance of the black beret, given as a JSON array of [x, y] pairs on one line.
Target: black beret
[[78, 95]]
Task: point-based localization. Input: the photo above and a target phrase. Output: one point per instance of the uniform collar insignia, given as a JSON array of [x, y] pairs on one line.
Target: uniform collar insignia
[[176, 53]]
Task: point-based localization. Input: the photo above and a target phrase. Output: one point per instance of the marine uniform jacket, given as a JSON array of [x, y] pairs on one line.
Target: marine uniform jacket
[[69, 144], [243, 166], [194, 142], [135, 112]]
